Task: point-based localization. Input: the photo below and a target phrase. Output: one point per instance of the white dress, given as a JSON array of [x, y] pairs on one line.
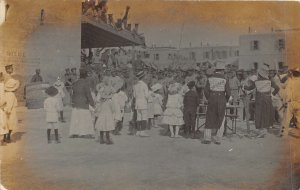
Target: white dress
[[150, 105], [105, 121], [158, 102], [173, 114], [51, 107]]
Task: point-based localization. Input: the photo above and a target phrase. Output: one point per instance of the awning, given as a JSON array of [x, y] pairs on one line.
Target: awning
[[97, 34]]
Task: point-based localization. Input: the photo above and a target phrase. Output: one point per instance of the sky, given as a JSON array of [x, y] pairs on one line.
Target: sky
[[218, 23]]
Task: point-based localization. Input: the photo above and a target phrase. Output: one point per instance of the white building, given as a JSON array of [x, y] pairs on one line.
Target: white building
[[256, 49]]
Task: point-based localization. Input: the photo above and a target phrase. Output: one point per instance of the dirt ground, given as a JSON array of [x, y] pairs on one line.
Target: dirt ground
[[157, 162]]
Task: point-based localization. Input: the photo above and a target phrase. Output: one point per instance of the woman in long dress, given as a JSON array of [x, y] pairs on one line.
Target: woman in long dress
[[82, 101], [264, 111], [3, 124]]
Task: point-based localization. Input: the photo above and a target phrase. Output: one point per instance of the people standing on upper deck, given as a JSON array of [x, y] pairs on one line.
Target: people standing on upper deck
[[264, 111], [217, 92]]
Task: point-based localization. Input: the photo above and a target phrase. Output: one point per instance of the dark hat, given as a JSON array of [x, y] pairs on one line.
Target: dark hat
[[51, 91], [140, 74], [191, 84]]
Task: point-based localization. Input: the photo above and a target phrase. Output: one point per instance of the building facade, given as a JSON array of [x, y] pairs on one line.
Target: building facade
[[256, 49]]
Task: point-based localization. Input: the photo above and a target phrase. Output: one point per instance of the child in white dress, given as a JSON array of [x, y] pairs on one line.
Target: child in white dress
[[173, 115], [52, 108], [105, 111]]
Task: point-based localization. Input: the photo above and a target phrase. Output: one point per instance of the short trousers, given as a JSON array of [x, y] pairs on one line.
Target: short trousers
[[52, 125]]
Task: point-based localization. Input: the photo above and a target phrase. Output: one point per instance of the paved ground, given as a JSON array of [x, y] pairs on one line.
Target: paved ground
[[134, 163]]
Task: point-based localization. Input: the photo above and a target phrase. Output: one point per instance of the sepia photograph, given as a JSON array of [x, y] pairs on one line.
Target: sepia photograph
[[149, 95]]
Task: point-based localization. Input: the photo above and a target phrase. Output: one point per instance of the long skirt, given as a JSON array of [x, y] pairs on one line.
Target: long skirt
[[81, 122], [12, 119], [264, 111], [215, 111]]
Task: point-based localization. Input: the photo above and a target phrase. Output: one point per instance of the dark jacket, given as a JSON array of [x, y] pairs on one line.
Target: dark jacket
[[82, 96], [190, 101]]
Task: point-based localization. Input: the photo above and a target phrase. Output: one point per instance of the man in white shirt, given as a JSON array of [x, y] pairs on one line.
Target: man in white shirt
[[141, 94]]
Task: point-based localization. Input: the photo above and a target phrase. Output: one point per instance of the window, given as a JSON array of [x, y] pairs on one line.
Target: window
[[255, 65], [281, 44], [255, 45], [237, 53], [218, 54], [156, 56], [193, 55], [147, 55], [224, 54], [170, 56], [206, 55]]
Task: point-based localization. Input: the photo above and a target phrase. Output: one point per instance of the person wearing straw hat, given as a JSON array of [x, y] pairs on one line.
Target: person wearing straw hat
[[52, 108], [217, 92], [293, 98], [10, 107], [264, 111], [141, 94]]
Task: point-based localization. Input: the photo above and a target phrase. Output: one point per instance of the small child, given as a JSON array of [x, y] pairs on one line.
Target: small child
[[105, 111], [173, 115], [122, 99], [158, 102], [190, 102], [52, 108]]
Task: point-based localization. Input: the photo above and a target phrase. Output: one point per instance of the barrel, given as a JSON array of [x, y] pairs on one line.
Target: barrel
[[35, 95]]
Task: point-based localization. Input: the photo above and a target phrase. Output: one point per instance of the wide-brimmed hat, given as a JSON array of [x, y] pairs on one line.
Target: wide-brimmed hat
[[12, 85], [156, 87], [263, 71], [140, 74], [220, 65], [51, 91], [174, 88]]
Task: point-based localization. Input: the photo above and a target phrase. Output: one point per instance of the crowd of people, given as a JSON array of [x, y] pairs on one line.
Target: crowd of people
[[174, 98]]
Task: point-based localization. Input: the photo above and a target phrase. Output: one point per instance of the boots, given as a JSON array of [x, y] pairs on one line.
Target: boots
[[62, 117], [101, 137], [49, 135], [8, 139], [56, 136], [108, 139], [172, 131]]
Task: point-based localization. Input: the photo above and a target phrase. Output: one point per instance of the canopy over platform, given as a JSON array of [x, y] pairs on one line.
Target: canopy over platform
[[97, 34]]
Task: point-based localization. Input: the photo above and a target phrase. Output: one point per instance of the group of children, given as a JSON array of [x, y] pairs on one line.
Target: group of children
[[108, 113]]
